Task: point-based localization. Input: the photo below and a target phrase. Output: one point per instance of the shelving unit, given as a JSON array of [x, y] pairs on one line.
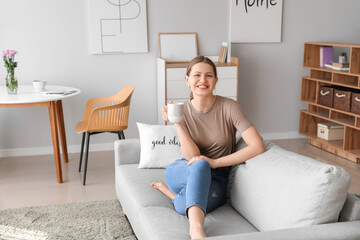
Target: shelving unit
[[349, 147]]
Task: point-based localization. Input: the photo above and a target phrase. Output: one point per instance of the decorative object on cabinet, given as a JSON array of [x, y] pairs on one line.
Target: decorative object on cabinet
[[171, 70], [178, 47], [319, 112], [223, 52], [117, 26]]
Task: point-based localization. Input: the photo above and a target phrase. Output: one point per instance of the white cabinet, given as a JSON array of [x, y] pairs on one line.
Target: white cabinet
[[172, 85]]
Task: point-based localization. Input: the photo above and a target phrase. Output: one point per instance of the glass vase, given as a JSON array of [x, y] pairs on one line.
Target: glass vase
[[11, 83]]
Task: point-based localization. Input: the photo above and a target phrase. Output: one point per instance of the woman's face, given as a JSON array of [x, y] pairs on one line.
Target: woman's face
[[202, 79]]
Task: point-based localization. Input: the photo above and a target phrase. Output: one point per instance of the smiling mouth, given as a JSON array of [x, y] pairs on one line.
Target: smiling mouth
[[202, 87]]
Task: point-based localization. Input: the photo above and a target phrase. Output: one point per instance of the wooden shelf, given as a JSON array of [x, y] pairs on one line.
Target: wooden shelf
[[349, 147]]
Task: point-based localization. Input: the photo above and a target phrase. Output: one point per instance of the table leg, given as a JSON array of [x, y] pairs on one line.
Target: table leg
[[60, 117], [55, 139]]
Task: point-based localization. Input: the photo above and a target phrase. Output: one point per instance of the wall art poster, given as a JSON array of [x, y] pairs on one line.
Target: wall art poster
[[117, 26], [255, 20]]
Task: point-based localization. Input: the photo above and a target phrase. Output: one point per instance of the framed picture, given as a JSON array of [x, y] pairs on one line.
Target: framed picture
[[178, 47], [255, 20], [117, 26]]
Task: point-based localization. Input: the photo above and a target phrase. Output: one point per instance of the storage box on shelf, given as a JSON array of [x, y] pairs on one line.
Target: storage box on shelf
[[323, 108], [355, 103], [342, 98], [330, 131]]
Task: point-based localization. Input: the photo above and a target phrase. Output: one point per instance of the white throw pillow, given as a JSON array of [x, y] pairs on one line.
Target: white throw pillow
[[160, 145]]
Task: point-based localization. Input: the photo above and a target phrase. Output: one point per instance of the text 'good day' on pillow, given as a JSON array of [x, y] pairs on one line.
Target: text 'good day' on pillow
[[160, 145]]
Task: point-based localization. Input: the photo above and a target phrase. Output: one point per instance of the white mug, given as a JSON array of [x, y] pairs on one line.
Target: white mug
[[175, 112], [39, 85]]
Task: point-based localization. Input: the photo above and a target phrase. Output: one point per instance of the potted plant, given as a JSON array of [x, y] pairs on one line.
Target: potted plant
[[343, 58]]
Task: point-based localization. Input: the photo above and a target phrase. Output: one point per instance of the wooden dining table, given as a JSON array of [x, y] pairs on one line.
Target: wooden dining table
[[51, 97]]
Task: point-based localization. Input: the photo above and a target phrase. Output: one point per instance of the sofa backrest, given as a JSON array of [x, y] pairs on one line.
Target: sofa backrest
[[281, 189], [351, 208]]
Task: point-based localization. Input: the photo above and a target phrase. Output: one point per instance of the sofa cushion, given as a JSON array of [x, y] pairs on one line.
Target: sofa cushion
[[159, 145], [160, 223], [281, 189], [135, 186]]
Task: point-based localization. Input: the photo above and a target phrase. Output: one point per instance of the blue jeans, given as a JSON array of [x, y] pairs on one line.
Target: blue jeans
[[196, 185]]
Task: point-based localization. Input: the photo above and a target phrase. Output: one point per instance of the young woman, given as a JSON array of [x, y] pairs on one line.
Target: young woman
[[196, 182]]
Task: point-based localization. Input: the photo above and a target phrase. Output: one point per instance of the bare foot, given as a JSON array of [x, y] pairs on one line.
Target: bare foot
[[163, 189], [197, 233]]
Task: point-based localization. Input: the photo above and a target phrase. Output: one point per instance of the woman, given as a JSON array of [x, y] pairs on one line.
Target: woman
[[196, 182]]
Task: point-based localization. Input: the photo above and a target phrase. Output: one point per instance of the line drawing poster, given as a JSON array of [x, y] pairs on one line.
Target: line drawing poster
[[255, 20], [117, 26]]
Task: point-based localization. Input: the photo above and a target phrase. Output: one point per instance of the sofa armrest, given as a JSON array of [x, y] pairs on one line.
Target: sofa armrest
[[331, 231], [127, 151]]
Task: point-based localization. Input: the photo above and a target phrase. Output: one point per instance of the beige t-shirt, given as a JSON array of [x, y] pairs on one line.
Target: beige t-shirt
[[214, 130]]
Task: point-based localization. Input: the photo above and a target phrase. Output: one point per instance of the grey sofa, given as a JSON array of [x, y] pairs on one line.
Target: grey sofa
[[276, 195]]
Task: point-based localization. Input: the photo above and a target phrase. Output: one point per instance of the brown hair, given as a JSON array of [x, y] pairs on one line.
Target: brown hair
[[199, 59]]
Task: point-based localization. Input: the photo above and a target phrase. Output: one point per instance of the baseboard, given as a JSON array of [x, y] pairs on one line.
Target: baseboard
[[13, 152]]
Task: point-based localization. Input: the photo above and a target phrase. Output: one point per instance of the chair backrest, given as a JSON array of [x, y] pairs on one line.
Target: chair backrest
[[111, 113]]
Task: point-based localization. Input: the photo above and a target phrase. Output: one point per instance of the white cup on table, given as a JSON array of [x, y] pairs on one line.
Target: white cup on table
[[39, 85], [175, 112]]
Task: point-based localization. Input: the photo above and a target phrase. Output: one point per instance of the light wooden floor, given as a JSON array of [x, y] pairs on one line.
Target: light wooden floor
[[31, 180]]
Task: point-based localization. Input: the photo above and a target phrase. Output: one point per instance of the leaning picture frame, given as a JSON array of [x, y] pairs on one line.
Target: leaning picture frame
[[177, 46]]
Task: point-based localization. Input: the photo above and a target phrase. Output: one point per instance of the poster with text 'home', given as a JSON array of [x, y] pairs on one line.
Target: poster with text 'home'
[[117, 26], [255, 20]]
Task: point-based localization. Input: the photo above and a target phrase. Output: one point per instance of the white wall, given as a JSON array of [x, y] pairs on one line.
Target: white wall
[[270, 73], [51, 38]]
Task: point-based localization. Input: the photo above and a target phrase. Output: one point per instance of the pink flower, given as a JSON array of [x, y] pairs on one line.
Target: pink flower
[[12, 53], [9, 60], [8, 53]]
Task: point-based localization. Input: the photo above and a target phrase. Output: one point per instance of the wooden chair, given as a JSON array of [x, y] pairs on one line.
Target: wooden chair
[[104, 114]]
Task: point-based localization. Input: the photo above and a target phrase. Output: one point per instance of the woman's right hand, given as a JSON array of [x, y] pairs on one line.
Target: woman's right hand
[[164, 111]]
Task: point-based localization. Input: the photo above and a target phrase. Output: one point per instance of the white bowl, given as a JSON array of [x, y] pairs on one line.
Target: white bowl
[[39, 85]]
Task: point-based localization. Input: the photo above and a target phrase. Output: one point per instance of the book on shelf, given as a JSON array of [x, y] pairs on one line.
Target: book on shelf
[[343, 69], [326, 55], [223, 52], [336, 64]]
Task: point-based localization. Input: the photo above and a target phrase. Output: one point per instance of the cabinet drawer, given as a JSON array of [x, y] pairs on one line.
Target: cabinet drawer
[[226, 72], [226, 87], [176, 74], [177, 89]]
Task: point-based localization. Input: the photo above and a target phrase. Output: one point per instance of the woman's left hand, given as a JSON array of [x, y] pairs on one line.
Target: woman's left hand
[[213, 162]]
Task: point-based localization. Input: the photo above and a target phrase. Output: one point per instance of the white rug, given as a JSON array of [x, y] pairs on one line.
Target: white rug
[[91, 220]]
